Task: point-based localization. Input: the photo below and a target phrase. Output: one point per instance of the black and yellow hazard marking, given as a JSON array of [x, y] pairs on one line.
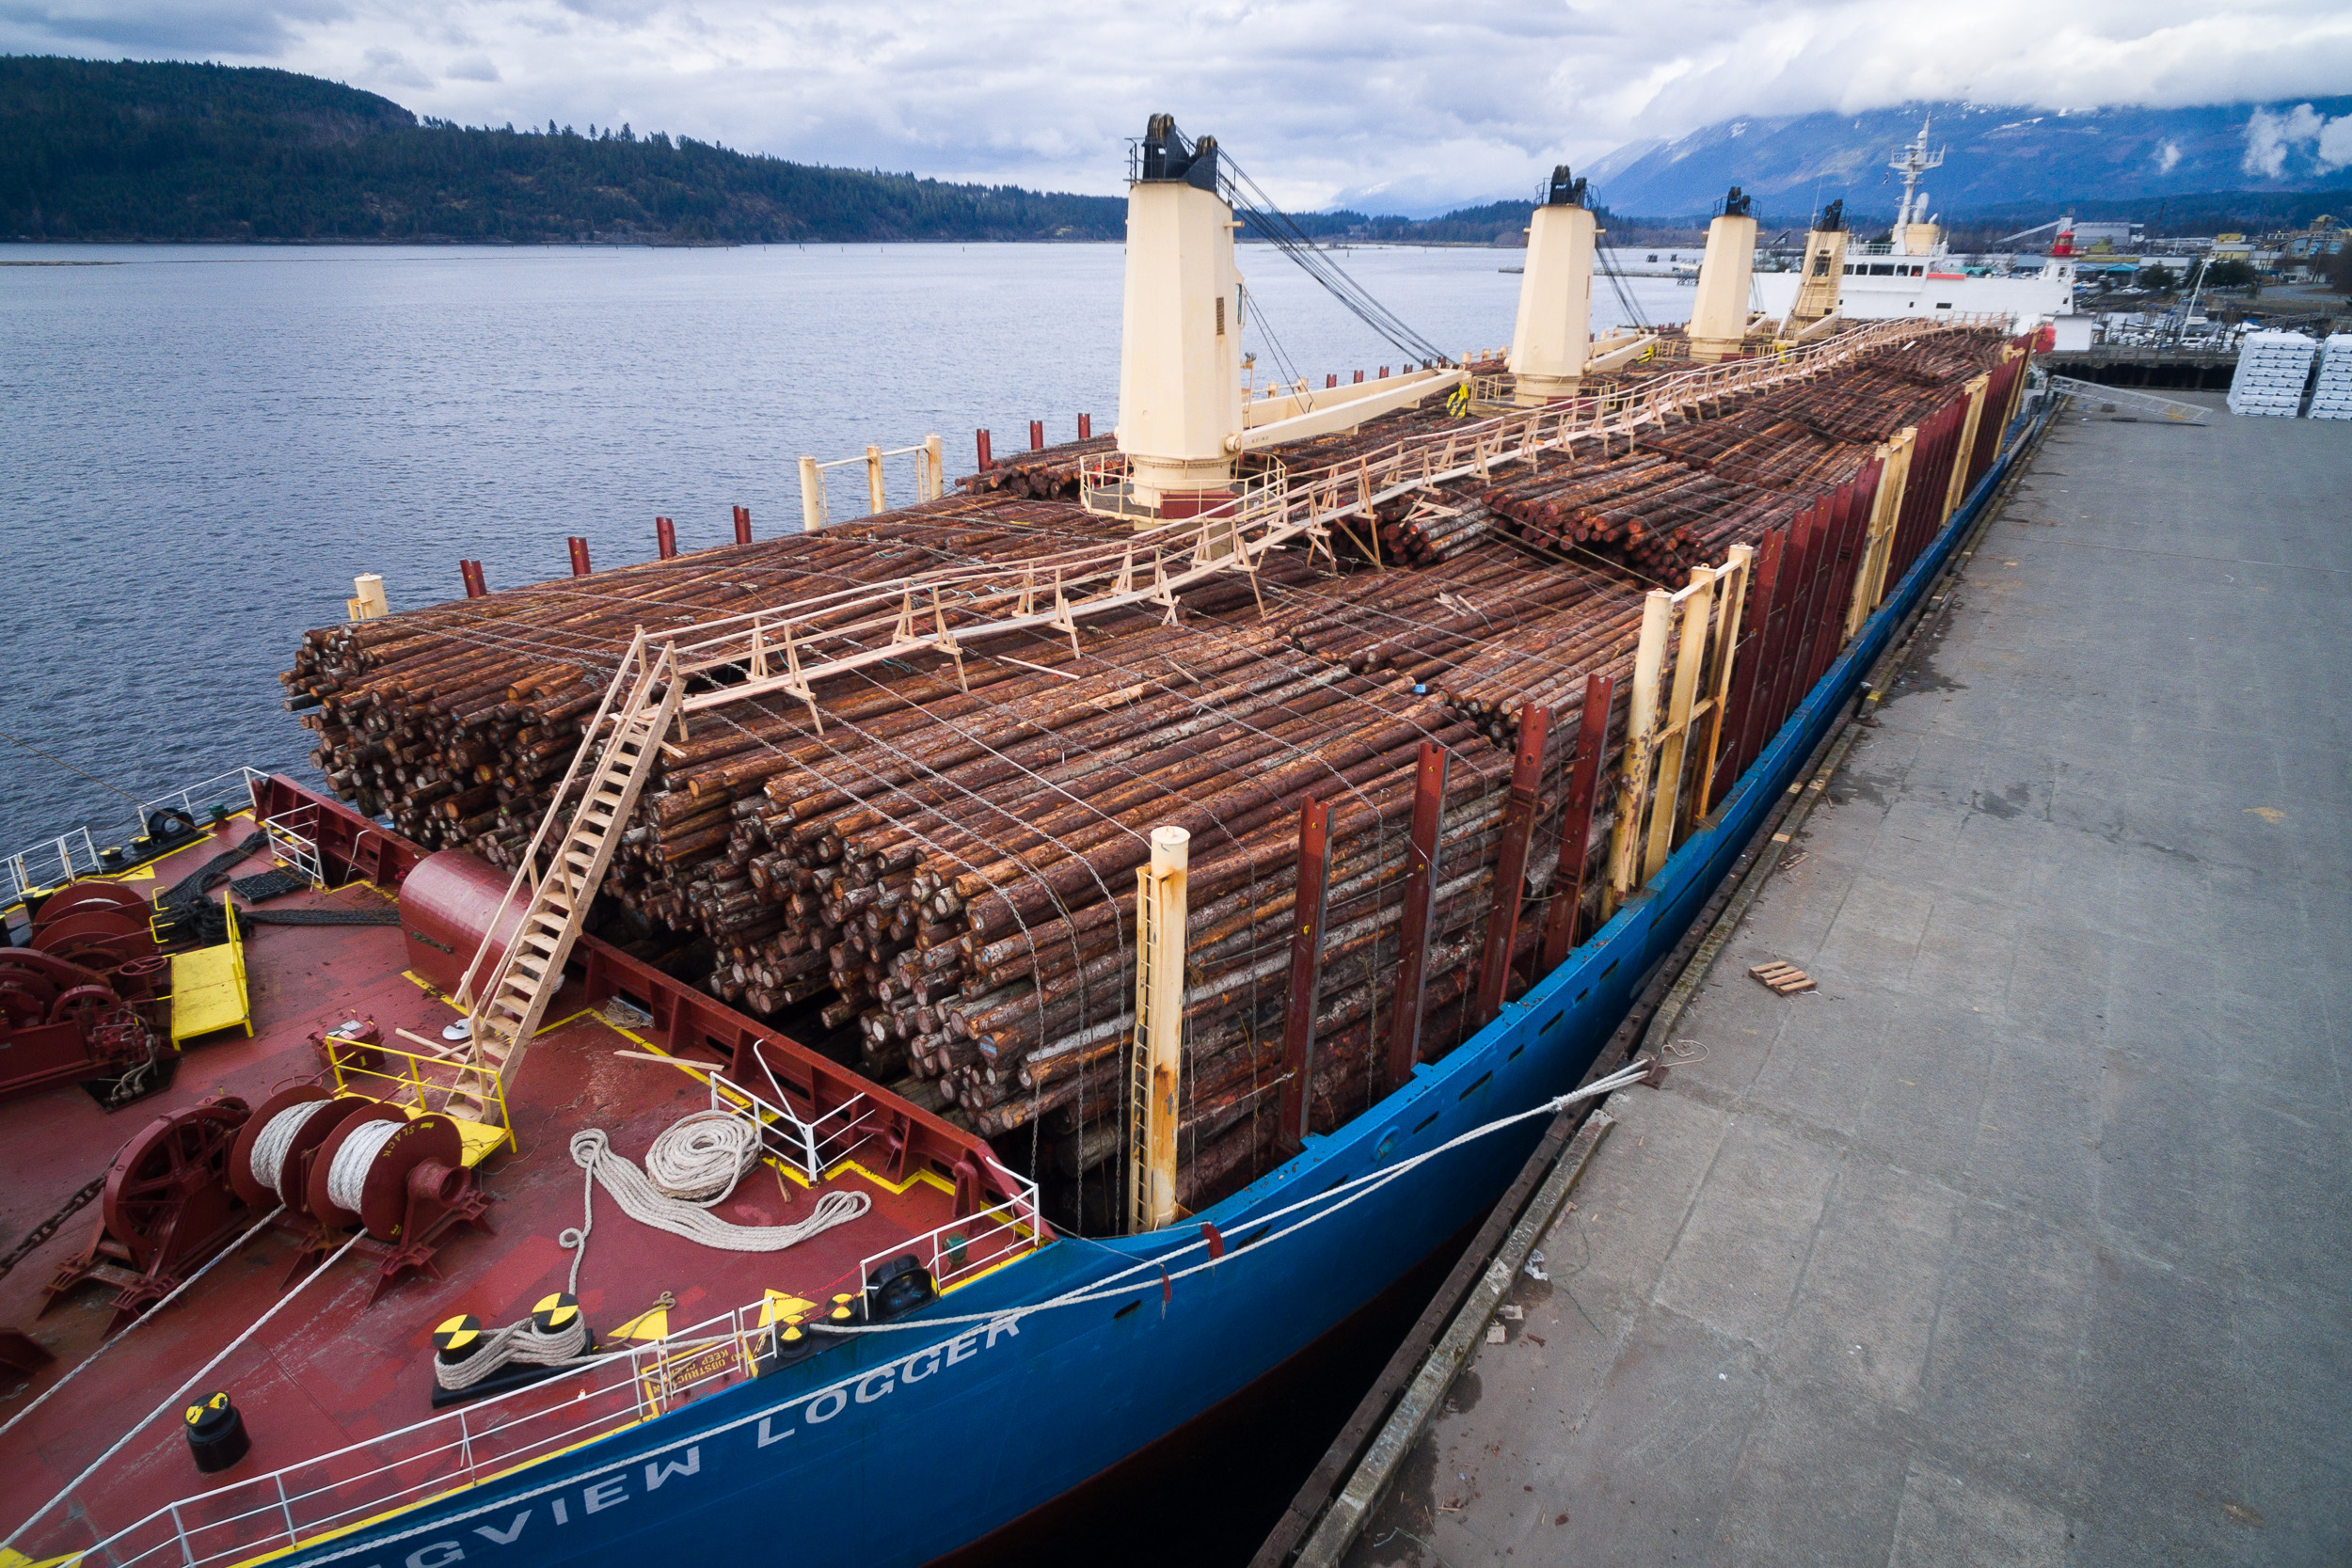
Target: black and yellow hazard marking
[[460, 1333], [213, 1402], [554, 1312]]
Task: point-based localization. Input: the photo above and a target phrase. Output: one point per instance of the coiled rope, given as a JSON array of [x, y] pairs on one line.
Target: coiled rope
[[520, 1340], [348, 1177], [700, 1159], [269, 1150], [647, 1204]]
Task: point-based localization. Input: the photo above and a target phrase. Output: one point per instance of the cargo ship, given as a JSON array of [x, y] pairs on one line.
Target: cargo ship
[[1913, 271], [829, 1043]]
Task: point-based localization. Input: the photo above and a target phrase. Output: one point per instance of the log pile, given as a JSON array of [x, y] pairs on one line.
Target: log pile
[[1694, 489], [1047, 473], [1660, 516], [940, 881]]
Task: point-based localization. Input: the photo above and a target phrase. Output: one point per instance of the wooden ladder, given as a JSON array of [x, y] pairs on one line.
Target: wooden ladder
[[640, 707]]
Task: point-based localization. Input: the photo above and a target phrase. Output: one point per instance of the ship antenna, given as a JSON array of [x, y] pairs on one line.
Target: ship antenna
[[1911, 161]]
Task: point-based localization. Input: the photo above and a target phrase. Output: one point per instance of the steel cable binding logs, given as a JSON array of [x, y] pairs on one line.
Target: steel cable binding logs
[[940, 885]]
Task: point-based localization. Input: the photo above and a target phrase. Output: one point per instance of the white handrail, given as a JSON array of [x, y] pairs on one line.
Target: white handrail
[[76, 852]]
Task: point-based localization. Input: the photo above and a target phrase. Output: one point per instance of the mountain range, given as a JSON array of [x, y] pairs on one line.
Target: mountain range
[[171, 150], [1998, 159]]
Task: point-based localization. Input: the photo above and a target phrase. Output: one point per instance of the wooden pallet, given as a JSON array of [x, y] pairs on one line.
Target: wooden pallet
[[1788, 980]]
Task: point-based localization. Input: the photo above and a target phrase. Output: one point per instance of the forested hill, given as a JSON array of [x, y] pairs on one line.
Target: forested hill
[[132, 151]]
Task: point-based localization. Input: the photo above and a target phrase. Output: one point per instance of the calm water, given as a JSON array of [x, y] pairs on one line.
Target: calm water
[[202, 445]]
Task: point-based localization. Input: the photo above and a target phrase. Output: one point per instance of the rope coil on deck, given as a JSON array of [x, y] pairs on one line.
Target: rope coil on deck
[[643, 1201], [701, 1158]]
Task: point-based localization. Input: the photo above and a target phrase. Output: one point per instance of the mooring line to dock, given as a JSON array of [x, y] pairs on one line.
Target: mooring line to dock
[[180, 1393]]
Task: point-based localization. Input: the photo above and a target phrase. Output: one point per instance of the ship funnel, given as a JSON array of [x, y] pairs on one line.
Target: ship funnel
[[1821, 278], [1718, 318], [1553, 334], [1180, 343]]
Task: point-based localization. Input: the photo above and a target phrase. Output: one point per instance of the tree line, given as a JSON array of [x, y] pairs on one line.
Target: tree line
[[167, 151]]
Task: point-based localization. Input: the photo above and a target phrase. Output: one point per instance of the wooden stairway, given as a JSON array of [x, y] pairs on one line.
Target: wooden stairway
[[639, 707]]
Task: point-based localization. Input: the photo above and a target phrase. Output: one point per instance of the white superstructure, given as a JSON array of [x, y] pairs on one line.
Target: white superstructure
[[1913, 272]]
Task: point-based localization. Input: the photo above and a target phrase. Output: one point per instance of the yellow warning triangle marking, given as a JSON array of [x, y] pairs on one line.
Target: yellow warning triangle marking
[[778, 1306]]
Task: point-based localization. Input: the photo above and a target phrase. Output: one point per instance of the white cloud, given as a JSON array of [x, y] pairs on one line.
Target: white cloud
[[2271, 137], [2168, 157], [2334, 148], [1323, 100], [389, 67]]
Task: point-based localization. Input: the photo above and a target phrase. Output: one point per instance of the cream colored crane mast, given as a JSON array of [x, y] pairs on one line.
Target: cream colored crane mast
[[1179, 336], [1823, 278], [1719, 317], [1552, 335]]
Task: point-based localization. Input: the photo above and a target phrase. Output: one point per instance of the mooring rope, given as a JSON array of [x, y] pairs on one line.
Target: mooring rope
[[644, 1201], [270, 1148], [521, 1340], [348, 1177], [700, 1159]]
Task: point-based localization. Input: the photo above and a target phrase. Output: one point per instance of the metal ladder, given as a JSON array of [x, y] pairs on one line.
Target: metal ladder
[[640, 706]]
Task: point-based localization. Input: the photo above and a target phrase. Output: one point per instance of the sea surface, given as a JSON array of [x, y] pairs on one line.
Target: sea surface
[[202, 445]]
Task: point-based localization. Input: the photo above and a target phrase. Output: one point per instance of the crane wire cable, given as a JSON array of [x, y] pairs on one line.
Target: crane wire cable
[[1247, 198]]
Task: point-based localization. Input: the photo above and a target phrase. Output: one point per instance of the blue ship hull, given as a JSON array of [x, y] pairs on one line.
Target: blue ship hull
[[897, 1447]]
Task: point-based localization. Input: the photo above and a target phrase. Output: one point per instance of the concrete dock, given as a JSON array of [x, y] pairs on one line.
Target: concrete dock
[[2026, 1237]]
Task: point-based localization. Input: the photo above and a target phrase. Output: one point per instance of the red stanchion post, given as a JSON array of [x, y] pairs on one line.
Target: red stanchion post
[[1306, 976], [1518, 820], [1575, 824], [1421, 882]]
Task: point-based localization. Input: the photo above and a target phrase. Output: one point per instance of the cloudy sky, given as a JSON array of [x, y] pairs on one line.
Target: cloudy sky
[[1402, 105]]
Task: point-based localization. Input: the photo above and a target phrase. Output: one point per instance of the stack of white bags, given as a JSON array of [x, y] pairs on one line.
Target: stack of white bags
[[2271, 369], [2333, 400]]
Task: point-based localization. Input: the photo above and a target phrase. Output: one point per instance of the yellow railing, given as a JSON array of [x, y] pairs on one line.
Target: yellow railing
[[411, 1084]]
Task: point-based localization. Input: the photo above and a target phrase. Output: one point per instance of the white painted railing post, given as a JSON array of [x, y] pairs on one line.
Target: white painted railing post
[[811, 495]]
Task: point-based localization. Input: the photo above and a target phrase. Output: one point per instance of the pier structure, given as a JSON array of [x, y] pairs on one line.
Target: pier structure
[[2007, 1228]]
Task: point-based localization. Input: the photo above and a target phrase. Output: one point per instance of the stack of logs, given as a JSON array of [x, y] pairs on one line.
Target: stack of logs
[[1044, 473], [941, 880], [1694, 490]]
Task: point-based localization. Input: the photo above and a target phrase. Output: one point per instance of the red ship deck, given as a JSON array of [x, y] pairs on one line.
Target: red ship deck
[[331, 1368]]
